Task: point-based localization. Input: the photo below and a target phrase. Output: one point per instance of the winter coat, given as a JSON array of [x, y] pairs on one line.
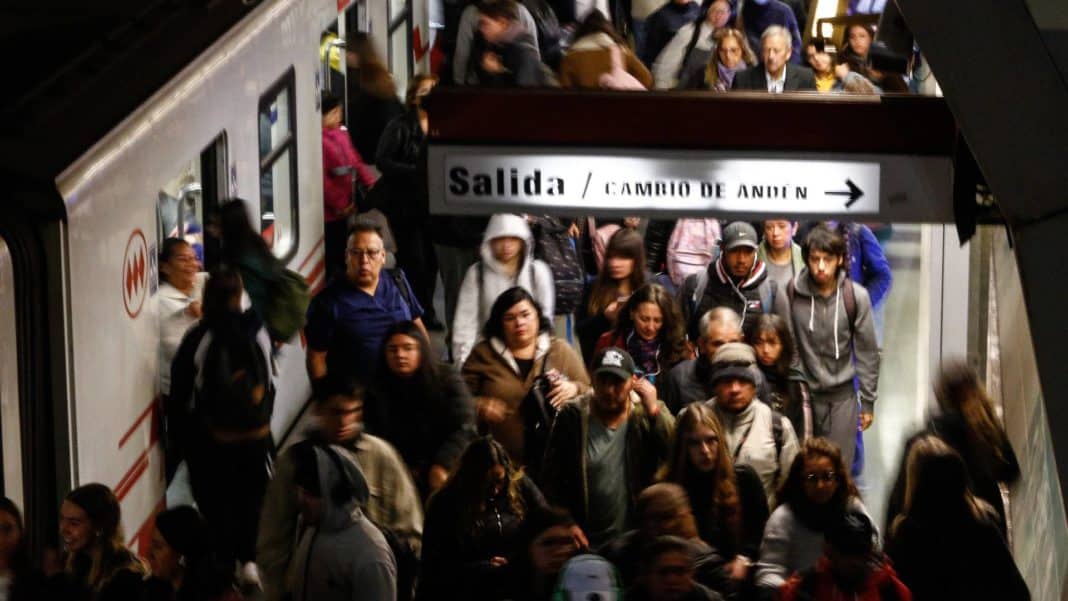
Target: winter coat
[[402, 159], [673, 66], [486, 280], [833, 351], [590, 57], [341, 165], [755, 295], [867, 262], [393, 503], [751, 441], [691, 382], [985, 469], [466, 33], [368, 116], [818, 585], [344, 556], [518, 55], [565, 475], [491, 371], [956, 559], [790, 546], [456, 564], [427, 427]]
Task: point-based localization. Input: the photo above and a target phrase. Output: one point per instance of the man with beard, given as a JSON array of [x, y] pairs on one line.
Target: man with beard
[[850, 568]]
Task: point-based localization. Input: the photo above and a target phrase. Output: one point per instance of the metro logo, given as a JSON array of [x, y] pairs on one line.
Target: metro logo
[[135, 274]]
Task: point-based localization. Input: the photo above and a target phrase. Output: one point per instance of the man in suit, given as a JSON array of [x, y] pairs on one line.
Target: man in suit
[[775, 74]]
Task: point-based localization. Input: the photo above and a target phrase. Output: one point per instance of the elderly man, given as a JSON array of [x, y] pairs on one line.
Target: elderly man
[[606, 446], [775, 74], [757, 436]]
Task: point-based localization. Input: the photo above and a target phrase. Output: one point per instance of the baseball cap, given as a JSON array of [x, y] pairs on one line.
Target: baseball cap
[[613, 360], [738, 234], [734, 360], [590, 578]]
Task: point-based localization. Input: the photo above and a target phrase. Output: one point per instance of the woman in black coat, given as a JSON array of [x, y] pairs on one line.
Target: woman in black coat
[[472, 533], [420, 405], [946, 544]]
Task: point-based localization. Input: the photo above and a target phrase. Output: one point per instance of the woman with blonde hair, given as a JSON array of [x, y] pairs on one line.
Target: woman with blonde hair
[[968, 424], [98, 561], [946, 544], [728, 499], [733, 54]]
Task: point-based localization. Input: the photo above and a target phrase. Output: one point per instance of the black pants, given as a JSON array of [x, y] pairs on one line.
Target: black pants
[[335, 239], [416, 256], [229, 481]]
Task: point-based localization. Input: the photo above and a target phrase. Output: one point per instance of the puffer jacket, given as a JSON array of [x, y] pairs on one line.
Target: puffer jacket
[[832, 350], [486, 280], [344, 556]]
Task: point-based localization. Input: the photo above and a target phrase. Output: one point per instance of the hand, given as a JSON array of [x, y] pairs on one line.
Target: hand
[[561, 392], [348, 210], [436, 477], [632, 223], [491, 63], [612, 310], [647, 392], [738, 568], [573, 230], [865, 421], [841, 70], [579, 537], [492, 411], [498, 562], [195, 310]]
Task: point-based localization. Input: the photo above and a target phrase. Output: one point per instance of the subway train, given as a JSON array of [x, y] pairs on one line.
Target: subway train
[[79, 237]]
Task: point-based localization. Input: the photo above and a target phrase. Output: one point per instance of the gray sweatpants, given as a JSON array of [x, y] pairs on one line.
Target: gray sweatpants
[[834, 416]]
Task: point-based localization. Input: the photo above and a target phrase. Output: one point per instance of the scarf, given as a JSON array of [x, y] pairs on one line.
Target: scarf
[[726, 76], [646, 353]]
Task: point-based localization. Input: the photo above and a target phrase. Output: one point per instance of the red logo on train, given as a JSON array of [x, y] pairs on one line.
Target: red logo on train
[[135, 273]]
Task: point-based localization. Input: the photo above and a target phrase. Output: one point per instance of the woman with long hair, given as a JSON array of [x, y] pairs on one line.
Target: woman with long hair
[[946, 544], [968, 424], [733, 54], [372, 95], [598, 56], [622, 273], [650, 328], [245, 250], [520, 374], [682, 62], [728, 500], [472, 530], [98, 561], [773, 345], [817, 492], [420, 405]]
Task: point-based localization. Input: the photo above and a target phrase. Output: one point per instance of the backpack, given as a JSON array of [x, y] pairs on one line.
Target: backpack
[[286, 306], [554, 246], [234, 390], [767, 302], [691, 248]]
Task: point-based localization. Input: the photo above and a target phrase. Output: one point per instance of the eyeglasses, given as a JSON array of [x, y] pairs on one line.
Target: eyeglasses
[[360, 254], [825, 477]]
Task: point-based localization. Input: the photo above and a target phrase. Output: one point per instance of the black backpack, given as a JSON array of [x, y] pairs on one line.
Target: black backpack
[[234, 388], [553, 245]]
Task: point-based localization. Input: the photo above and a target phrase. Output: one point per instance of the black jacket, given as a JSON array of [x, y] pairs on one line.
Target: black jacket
[[755, 295], [401, 157], [518, 56], [426, 429], [754, 508], [755, 78], [368, 117], [456, 560]]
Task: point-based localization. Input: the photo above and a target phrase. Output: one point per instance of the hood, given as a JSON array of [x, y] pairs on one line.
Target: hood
[[756, 276], [804, 287], [333, 467], [505, 225]]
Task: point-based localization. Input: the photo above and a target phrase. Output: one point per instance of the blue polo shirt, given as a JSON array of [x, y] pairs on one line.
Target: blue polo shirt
[[350, 324]]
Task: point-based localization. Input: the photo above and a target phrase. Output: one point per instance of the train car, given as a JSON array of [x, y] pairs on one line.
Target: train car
[[78, 281]]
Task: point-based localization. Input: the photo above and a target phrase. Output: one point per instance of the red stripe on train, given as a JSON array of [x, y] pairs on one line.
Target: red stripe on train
[[311, 254], [139, 468], [152, 409]]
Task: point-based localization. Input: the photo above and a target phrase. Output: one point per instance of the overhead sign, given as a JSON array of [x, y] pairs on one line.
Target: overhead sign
[[469, 179]]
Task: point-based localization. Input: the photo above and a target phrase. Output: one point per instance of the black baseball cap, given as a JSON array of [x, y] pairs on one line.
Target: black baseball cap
[[615, 361]]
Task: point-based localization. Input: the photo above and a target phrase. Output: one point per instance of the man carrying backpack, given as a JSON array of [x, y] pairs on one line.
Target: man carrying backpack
[[835, 339]]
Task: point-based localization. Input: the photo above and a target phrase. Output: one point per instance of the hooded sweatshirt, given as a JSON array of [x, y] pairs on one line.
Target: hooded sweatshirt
[[754, 295], [487, 279], [344, 556], [827, 343]]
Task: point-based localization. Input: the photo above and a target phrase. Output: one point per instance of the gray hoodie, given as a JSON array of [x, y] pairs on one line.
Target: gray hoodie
[[827, 344], [344, 557], [486, 280]]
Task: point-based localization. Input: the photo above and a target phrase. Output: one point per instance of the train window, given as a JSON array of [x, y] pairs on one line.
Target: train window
[[278, 167]]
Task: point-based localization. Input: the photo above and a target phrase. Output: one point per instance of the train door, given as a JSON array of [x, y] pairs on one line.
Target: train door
[[11, 480]]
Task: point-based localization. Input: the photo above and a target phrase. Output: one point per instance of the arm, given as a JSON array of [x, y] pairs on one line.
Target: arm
[[666, 66], [545, 288], [403, 506], [560, 453], [375, 581], [176, 408], [755, 512], [461, 418], [466, 322], [364, 175], [876, 269], [465, 35], [866, 352], [317, 332], [278, 529], [772, 569], [790, 449], [527, 20], [390, 157]]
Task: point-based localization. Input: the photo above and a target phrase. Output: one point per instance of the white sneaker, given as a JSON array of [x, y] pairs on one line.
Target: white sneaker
[[249, 578]]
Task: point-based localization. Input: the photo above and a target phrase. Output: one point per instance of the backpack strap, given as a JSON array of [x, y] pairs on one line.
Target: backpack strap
[[780, 440], [849, 299], [402, 286]]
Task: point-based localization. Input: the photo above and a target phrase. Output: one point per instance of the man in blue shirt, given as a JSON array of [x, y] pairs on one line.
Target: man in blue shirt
[[349, 318]]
